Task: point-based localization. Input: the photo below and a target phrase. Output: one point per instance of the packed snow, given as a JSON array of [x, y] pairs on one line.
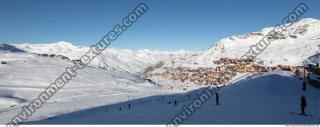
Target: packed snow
[[95, 96], [26, 75], [271, 98]]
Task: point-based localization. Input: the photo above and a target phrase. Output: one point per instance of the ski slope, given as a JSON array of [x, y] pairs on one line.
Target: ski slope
[[270, 98], [26, 75]]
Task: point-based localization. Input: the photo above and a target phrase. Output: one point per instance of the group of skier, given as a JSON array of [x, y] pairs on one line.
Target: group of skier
[[303, 101], [216, 99]]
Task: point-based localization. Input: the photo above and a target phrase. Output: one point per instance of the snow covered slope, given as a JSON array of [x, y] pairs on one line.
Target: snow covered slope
[[26, 75], [96, 95], [271, 98], [296, 44], [313, 59]]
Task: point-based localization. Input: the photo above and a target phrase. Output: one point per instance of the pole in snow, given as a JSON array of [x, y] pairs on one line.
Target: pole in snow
[[217, 99]]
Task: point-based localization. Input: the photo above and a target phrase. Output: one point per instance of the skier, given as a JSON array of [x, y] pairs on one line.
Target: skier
[[188, 96], [217, 99], [303, 105], [175, 102], [129, 106], [308, 75], [304, 85]]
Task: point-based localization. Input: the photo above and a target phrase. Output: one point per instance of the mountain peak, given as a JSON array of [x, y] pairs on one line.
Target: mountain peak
[[297, 42], [309, 20], [63, 43]]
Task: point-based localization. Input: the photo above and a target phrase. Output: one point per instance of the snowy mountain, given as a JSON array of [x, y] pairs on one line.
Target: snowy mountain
[[129, 60], [292, 47]]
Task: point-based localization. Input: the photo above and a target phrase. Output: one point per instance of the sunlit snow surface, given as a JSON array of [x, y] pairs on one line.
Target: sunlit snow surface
[[267, 98]]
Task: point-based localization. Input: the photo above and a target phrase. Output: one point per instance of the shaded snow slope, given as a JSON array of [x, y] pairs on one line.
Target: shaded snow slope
[[9, 48], [261, 99]]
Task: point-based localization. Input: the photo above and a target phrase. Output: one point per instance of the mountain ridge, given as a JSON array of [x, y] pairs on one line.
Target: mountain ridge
[[296, 44]]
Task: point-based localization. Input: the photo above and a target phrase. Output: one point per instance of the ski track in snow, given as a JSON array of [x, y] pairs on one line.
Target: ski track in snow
[[269, 102]]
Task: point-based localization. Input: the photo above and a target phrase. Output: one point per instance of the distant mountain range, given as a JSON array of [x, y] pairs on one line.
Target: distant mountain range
[[293, 47]]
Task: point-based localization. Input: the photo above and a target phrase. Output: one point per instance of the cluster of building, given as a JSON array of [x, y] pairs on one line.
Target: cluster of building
[[224, 71], [200, 76], [298, 70], [52, 55], [235, 65]]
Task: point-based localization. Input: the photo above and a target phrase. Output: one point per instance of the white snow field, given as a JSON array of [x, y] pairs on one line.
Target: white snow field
[[95, 96], [26, 75], [270, 98]]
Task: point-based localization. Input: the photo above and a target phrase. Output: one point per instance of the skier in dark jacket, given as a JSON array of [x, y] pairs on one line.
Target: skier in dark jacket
[[217, 99], [303, 105], [308, 75], [304, 85], [175, 103]]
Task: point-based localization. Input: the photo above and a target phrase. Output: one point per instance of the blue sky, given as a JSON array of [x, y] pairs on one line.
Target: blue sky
[[168, 25]]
